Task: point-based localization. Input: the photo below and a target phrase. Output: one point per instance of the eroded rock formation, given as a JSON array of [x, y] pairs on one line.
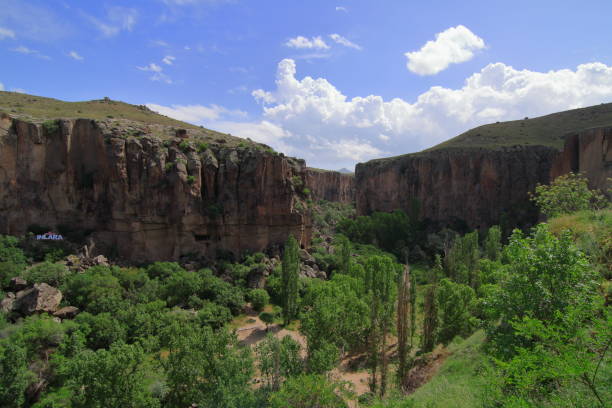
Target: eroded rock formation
[[476, 186], [331, 185], [146, 199]]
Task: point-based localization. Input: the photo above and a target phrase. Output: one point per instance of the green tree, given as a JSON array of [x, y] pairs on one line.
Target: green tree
[[493, 244], [454, 301], [289, 278], [545, 275], [403, 323], [381, 286], [206, 368], [567, 194], [430, 310], [310, 391], [114, 378], [345, 255], [12, 259], [259, 298], [14, 374], [278, 360], [53, 274]]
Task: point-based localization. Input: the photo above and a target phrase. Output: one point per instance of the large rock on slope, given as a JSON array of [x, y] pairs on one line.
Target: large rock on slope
[[479, 187], [39, 298], [145, 199]]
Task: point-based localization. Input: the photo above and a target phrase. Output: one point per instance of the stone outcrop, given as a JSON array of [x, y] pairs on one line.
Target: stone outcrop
[[67, 312], [479, 187], [146, 199], [331, 185], [37, 299]]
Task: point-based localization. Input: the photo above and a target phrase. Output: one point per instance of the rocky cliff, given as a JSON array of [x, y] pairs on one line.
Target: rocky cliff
[[480, 187], [330, 185], [144, 197]]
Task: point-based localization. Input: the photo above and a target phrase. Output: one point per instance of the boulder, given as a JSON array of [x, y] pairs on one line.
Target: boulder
[[307, 271], [6, 305], [100, 260], [257, 276], [18, 284], [67, 312], [40, 298]]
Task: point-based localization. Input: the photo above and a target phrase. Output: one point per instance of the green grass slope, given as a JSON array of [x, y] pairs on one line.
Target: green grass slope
[[120, 115]]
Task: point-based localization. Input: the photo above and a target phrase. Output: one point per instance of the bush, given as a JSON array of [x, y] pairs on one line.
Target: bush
[[259, 298], [213, 315], [51, 273], [567, 194], [184, 146], [163, 270]]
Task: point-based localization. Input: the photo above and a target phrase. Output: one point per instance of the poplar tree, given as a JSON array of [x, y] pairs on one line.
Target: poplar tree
[[289, 278], [430, 310], [404, 306], [380, 286]]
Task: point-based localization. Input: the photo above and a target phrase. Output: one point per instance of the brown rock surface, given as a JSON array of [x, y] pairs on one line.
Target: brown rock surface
[[67, 312], [40, 298], [479, 186], [330, 185], [16, 284], [144, 198]]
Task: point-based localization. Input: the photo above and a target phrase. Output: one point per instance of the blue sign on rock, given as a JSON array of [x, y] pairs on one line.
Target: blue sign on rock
[[49, 236]]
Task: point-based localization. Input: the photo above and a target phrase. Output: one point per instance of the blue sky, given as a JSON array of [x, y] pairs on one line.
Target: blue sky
[[334, 82]]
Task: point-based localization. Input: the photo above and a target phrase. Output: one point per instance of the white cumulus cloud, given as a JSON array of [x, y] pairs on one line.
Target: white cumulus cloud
[[118, 19], [452, 46], [343, 41], [6, 33], [158, 73], [197, 114], [75, 55], [168, 59], [330, 130], [340, 8], [28, 51], [301, 42]]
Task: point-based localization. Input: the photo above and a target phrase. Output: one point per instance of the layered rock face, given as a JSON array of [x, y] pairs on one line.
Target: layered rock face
[[146, 199], [479, 187], [330, 185]]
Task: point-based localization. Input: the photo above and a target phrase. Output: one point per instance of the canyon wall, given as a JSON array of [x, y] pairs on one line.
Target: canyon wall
[[479, 187], [330, 185], [145, 198]]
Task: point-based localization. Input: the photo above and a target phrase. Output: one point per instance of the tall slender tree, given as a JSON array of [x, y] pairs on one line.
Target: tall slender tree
[[381, 289], [289, 278], [430, 310], [403, 322]]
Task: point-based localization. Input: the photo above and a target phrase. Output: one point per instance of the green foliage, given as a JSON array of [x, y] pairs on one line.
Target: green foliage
[[308, 391], [289, 280], [101, 330], [51, 273], [325, 301], [12, 259], [493, 244], [380, 283], [114, 378], [201, 147], [163, 270], [180, 286], [259, 298], [223, 293], [96, 290], [567, 194], [190, 179], [278, 360], [430, 310], [169, 166], [184, 146], [14, 374], [544, 277], [297, 181], [51, 127], [394, 232], [39, 333], [461, 261], [214, 315], [206, 368], [327, 214], [324, 358], [454, 302], [267, 318]]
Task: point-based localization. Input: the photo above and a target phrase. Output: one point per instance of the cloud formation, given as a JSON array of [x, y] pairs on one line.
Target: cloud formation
[[301, 42], [28, 51], [198, 114], [118, 19], [311, 118], [452, 46], [343, 41], [6, 33], [75, 55], [158, 73], [168, 59]]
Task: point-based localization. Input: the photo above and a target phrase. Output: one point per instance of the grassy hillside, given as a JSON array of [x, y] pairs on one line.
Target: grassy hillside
[[130, 118]]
